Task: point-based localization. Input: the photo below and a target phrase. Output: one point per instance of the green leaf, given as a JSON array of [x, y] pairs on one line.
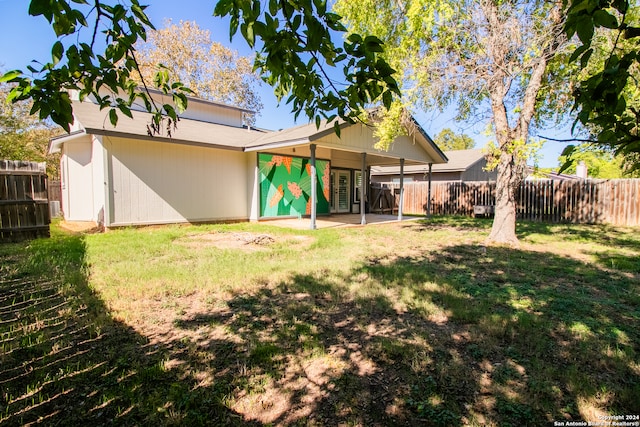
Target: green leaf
[[336, 128], [113, 117], [373, 44], [10, 75], [41, 7], [57, 51], [568, 150], [607, 136], [223, 7], [247, 32], [180, 100], [125, 110], [584, 60], [566, 165], [387, 99], [579, 51], [584, 28], [171, 112], [273, 7], [603, 18]]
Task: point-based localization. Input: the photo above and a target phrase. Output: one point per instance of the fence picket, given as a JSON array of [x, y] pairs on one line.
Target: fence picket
[[24, 209], [615, 202]]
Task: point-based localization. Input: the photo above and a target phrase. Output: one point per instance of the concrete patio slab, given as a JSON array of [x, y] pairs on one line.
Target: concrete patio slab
[[337, 220]]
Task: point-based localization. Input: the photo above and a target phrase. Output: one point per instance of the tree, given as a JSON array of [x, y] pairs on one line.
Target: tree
[[95, 52], [607, 99], [23, 136], [449, 140], [483, 56], [601, 162], [209, 69]]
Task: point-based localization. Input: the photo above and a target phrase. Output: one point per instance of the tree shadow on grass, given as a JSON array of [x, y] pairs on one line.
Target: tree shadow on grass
[[450, 337], [65, 361], [613, 248], [319, 357], [600, 233], [549, 338], [509, 337]]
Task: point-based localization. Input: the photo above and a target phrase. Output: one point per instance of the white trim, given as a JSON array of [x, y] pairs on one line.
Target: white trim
[[56, 143], [181, 221], [275, 145]]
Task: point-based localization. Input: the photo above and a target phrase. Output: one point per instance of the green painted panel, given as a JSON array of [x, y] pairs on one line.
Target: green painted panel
[[285, 185]]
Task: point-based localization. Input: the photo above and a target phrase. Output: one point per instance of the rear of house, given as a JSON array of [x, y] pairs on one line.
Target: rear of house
[[212, 168]]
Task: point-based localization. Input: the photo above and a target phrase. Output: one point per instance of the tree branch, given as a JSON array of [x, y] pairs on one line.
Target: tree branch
[[98, 8], [313, 54], [592, 141]]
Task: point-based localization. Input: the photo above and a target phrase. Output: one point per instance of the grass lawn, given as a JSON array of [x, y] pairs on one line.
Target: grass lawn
[[399, 324]]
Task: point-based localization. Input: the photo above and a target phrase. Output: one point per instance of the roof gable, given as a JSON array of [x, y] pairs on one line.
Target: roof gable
[[417, 147], [460, 160]]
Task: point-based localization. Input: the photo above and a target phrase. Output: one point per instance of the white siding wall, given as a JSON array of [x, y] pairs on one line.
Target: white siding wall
[[195, 110], [206, 112], [77, 171], [154, 182], [213, 114], [98, 180]]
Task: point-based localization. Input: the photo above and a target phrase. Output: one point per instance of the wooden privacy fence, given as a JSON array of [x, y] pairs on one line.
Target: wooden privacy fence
[[24, 205], [614, 202], [55, 191]]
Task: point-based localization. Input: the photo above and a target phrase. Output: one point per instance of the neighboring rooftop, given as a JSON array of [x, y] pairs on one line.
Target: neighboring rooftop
[[459, 160]]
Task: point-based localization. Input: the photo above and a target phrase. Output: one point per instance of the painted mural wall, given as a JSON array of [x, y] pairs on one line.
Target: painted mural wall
[[285, 185]]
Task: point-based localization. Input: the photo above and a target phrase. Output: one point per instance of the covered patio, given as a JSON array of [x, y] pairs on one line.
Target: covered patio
[[347, 158]]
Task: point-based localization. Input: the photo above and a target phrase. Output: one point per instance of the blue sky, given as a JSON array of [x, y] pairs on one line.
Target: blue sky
[[25, 38]]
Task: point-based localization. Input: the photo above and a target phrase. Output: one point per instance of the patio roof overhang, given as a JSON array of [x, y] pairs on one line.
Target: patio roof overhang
[[355, 139]]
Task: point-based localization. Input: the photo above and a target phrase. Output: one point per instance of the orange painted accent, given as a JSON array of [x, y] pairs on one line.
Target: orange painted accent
[[276, 197], [295, 189]]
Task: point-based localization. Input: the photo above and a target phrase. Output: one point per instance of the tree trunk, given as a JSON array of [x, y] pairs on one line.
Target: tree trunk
[[504, 222]]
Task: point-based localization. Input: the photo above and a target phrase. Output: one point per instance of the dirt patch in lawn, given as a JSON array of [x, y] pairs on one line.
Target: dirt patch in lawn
[[245, 241], [80, 226]]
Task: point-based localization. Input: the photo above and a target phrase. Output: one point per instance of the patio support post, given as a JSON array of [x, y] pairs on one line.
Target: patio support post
[[429, 193], [401, 201], [363, 180], [314, 190]]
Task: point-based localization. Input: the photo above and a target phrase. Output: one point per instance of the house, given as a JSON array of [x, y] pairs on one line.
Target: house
[[463, 165], [212, 168], [535, 174]]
